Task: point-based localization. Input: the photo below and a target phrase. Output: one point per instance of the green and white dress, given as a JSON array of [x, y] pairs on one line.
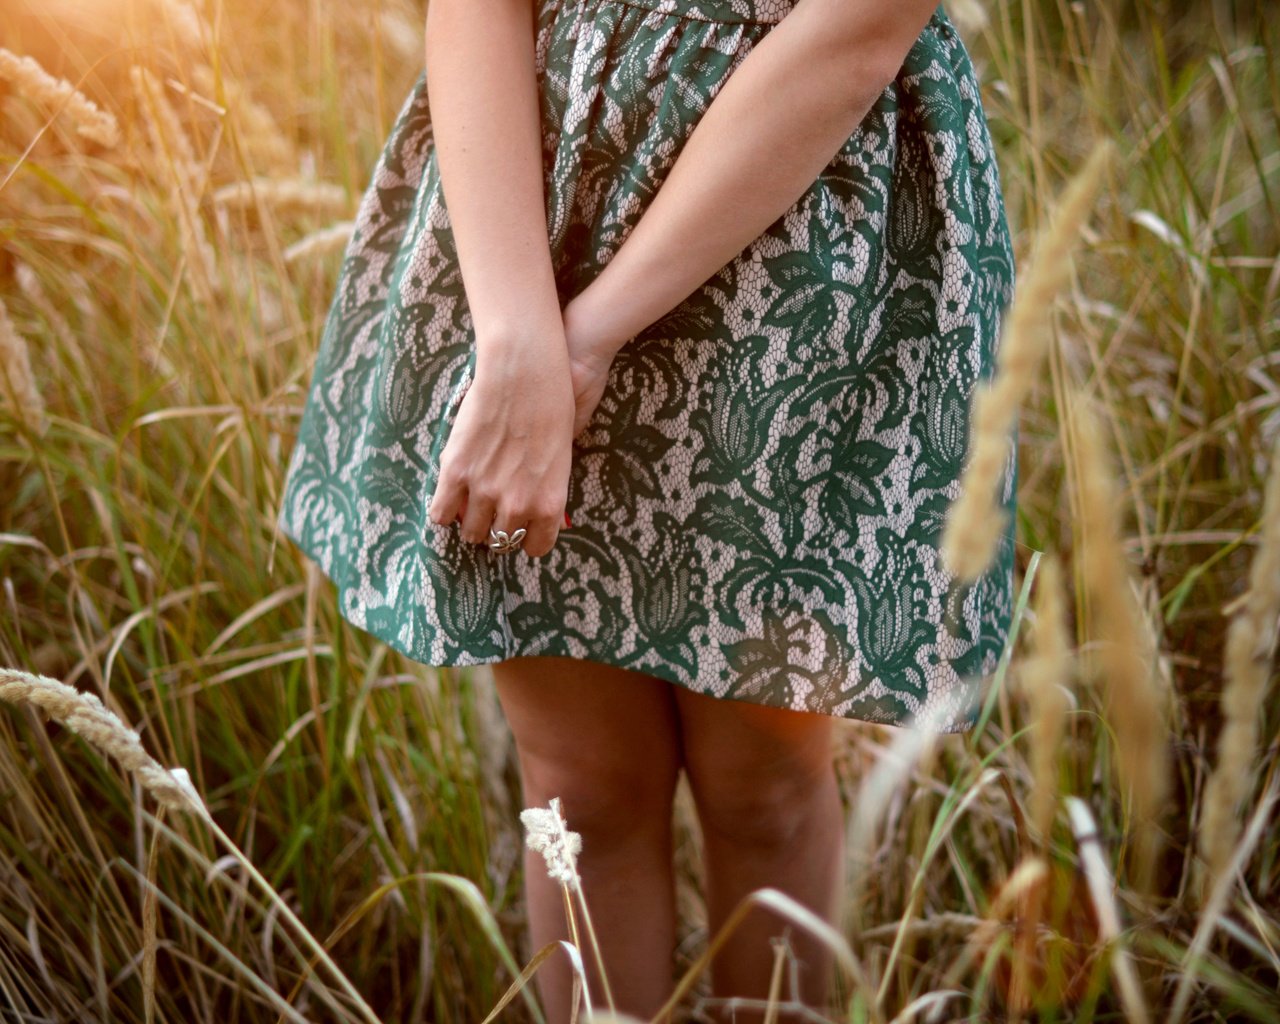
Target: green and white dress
[[758, 501]]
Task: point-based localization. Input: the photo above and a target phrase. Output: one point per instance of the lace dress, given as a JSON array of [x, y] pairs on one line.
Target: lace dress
[[758, 501]]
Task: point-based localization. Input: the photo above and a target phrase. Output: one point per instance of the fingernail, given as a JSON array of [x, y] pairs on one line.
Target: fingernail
[[566, 520]]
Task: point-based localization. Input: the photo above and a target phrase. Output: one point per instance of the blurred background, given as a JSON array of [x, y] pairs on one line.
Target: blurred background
[[177, 182]]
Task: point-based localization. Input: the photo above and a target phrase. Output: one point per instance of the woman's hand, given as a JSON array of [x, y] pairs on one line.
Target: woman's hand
[[506, 463], [589, 362]]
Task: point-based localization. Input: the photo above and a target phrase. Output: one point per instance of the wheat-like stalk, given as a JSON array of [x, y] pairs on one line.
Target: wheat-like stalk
[[29, 79], [282, 194], [975, 522], [319, 243], [30, 286], [186, 21], [253, 123], [878, 786], [1026, 878], [1137, 705], [172, 144], [168, 137], [969, 16], [1044, 681], [548, 833], [85, 714], [1251, 642], [17, 382], [71, 350]]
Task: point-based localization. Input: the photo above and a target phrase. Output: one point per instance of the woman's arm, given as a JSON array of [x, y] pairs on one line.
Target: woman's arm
[[482, 89], [771, 129], [507, 460]]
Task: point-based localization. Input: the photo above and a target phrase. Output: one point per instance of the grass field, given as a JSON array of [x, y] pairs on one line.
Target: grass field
[[1105, 846]]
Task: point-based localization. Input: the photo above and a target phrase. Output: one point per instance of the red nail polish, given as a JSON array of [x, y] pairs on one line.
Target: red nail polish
[[566, 520]]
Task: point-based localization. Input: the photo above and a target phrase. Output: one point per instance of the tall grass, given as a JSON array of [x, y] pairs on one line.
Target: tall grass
[[163, 286]]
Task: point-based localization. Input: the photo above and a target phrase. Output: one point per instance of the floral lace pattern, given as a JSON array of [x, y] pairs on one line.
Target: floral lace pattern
[[758, 500]]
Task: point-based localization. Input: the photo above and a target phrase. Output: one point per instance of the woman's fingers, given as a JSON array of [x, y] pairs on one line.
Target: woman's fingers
[[474, 516], [543, 531], [447, 503], [541, 521], [477, 518]]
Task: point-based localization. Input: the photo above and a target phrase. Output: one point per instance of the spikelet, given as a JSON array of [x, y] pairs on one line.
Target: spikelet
[[29, 79], [321, 242], [31, 287], [402, 32], [1251, 641], [1136, 703], [168, 137], [253, 123], [173, 146], [975, 521], [1043, 677], [85, 714], [184, 20], [283, 194], [17, 382], [969, 16], [547, 833]]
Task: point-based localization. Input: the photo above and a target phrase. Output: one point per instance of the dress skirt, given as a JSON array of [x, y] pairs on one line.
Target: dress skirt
[[758, 500]]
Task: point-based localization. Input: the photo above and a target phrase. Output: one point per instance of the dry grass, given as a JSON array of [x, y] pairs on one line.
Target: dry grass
[[1101, 846], [1248, 669], [18, 388], [976, 523], [30, 81], [1048, 686], [1123, 664]]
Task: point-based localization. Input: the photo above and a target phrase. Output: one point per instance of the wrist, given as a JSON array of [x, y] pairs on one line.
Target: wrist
[[538, 339], [590, 333]]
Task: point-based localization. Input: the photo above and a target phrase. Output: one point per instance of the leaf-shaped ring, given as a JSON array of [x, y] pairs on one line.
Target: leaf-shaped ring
[[502, 542]]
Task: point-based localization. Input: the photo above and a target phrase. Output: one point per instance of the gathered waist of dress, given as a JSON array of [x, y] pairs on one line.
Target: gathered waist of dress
[[750, 12], [765, 12]]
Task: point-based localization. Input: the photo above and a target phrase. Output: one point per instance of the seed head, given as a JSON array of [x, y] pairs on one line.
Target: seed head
[[548, 834]]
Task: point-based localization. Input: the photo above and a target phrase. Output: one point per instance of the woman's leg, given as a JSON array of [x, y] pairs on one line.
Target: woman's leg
[[763, 780], [606, 741]]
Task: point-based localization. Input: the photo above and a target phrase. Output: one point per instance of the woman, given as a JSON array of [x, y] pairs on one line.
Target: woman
[[739, 358]]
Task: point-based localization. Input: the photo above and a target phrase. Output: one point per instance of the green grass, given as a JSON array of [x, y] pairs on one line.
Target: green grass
[[138, 563]]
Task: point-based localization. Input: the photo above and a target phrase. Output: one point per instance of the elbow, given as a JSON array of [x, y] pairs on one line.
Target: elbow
[[863, 74], [877, 67], [873, 45]]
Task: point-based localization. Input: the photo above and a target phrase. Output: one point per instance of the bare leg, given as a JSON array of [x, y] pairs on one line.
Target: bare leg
[[606, 741], [763, 780]]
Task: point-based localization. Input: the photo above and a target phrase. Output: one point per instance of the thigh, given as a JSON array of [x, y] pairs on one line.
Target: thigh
[[591, 732]]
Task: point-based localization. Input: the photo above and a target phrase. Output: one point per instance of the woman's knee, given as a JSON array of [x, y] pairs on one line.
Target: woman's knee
[[764, 811], [602, 739], [608, 802], [757, 778]]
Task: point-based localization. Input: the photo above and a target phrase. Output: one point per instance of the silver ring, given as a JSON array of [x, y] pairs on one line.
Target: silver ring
[[502, 542]]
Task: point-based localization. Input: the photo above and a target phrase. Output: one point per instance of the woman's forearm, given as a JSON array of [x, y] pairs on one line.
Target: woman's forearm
[[774, 125], [483, 93]]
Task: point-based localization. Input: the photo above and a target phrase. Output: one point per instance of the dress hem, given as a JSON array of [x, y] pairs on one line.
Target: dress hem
[[960, 727]]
